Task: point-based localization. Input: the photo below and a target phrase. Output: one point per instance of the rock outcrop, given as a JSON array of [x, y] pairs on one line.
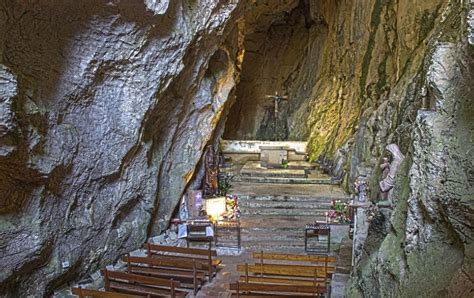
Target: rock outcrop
[[105, 107], [364, 74]]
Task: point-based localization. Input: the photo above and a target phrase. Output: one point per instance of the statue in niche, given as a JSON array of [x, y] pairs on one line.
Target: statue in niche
[[211, 161], [385, 167], [387, 183]]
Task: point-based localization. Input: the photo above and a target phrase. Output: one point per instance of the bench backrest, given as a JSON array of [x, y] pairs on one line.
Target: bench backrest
[[100, 294], [287, 270], [180, 250], [284, 280], [163, 262], [261, 287], [142, 279], [289, 257]]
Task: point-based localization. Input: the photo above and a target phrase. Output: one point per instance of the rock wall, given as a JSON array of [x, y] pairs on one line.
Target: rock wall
[[99, 105], [105, 108], [405, 80]]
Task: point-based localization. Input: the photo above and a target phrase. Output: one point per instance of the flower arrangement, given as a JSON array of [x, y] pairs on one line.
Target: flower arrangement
[[340, 212], [232, 207], [361, 187]]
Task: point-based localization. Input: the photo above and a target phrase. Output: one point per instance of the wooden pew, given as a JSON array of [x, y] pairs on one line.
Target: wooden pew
[[329, 262], [136, 284], [186, 271], [100, 294], [313, 271], [203, 256], [246, 289], [286, 270], [290, 257]]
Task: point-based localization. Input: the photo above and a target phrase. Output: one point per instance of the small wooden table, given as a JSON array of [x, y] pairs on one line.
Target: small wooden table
[[315, 230], [197, 231]]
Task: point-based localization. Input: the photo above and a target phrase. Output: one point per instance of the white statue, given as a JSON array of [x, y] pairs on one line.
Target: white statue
[[386, 185]]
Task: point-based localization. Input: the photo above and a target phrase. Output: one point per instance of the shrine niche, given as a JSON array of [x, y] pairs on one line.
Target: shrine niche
[[389, 171], [211, 164]]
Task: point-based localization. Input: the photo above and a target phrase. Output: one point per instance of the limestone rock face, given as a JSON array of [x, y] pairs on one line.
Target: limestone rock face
[[361, 75], [105, 108], [281, 55], [100, 103], [417, 96]]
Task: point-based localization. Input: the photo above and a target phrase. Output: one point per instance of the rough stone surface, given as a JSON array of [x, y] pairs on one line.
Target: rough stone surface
[[99, 105], [424, 248], [105, 108]]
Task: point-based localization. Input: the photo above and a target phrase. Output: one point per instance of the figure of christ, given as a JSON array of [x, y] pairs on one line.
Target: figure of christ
[[276, 99]]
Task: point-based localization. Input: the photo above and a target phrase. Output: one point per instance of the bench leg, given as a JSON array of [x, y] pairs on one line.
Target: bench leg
[[194, 277]]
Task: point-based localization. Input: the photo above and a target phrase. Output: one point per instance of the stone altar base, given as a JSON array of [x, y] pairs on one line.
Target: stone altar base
[[255, 169], [273, 157], [301, 172]]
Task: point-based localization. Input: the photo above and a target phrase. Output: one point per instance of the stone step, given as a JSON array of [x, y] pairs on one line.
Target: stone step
[[298, 211], [285, 205], [323, 199], [274, 221], [303, 165], [281, 230], [281, 180], [280, 173], [276, 243]]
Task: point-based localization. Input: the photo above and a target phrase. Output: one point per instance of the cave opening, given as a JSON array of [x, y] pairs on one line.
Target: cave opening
[[281, 54]]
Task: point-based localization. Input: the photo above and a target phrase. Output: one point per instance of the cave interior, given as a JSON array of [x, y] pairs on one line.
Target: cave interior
[[117, 117]]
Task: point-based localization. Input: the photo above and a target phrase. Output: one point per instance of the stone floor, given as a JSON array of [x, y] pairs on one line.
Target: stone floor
[[273, 219]]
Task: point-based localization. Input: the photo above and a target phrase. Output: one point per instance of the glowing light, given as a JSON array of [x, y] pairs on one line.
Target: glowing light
[[215, 207]]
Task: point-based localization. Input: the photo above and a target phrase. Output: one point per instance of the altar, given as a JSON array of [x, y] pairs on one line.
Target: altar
[[273, 156], [240, 151]]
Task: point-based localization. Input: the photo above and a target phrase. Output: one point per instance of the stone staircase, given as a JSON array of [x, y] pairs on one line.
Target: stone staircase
[[275, 222]]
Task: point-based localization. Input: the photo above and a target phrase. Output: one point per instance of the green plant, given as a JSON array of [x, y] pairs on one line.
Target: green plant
[[284, 164], [225, 184]]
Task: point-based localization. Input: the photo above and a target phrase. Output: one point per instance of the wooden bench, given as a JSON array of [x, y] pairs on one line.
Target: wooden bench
[[286, 270], [246, 289], [100, 294], [189, 272], [314, 259], [201, 256], [312, 271], [128, 283]]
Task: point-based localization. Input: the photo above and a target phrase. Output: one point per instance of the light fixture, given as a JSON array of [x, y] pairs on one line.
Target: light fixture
[[215, 207]]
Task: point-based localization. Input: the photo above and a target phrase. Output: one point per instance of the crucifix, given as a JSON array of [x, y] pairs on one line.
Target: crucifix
[[276, 99]]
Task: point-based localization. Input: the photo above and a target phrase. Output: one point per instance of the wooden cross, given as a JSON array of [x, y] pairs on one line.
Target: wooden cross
[[276, 99]]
